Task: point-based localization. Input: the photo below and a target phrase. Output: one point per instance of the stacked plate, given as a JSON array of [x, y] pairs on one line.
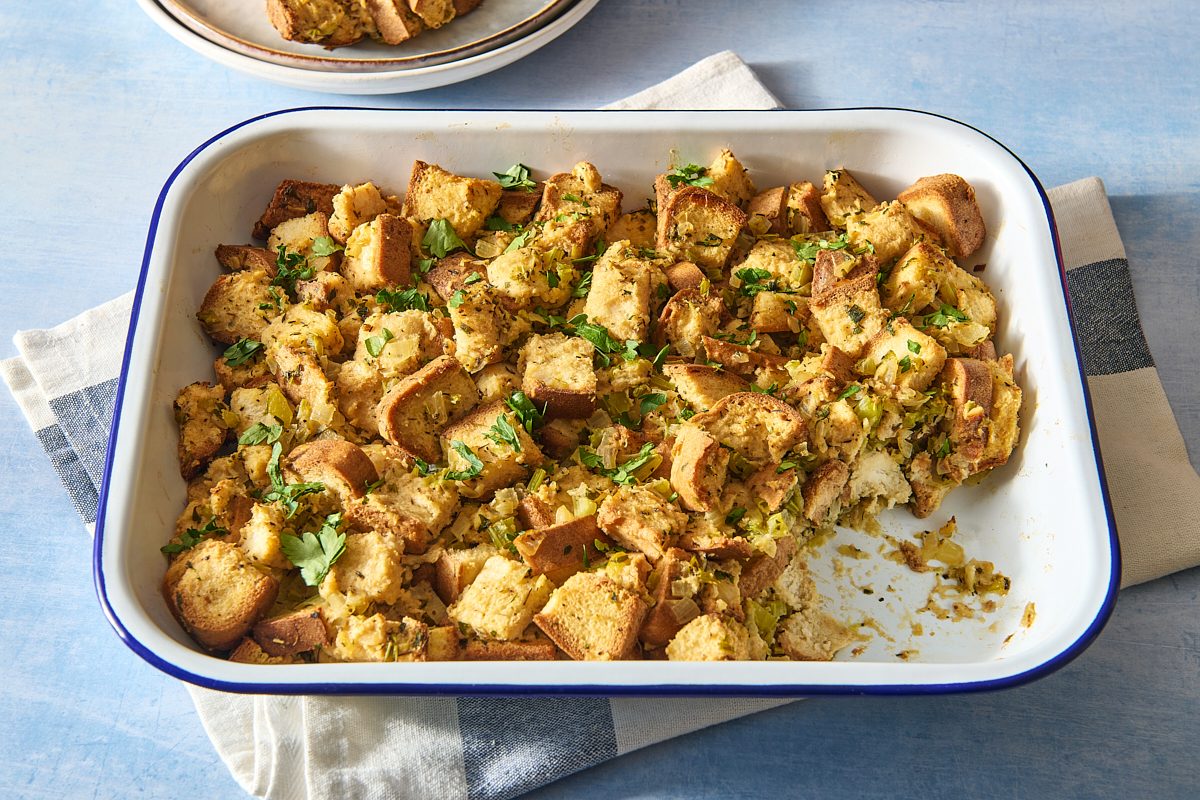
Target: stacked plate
[[237, 34]]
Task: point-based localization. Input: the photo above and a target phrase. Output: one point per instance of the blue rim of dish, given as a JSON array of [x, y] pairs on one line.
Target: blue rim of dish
[[1053, 664]]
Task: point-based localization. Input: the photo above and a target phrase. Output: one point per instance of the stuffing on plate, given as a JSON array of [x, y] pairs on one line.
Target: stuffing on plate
[[504, 420], [337, 23]]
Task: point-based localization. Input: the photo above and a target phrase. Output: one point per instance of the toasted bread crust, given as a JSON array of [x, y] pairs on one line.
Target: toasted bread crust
[[293, 199], [216, 594], [402, 414], [343, 467], [946, 203], [771, 205], [291, 634], [698, 469], [558, 548]]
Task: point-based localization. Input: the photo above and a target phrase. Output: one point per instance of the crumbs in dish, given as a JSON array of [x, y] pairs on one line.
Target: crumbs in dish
[[504, 420]]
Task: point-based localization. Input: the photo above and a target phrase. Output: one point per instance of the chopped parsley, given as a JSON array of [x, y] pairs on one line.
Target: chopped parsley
[[651, 401], [735, 515], [856, 314], [423, 467], [850, 391], [441, 239], [906, 364], [712, 240], [784, 466], [690, 175], [258, 433], [289, 268], [552, 278], [914, 346], [756, 280], [241, 352], [457, 299], [286, 494], [474, 277], [581, 288], [323, 246], [375, 344], [943, 316], [315, 553], [525, 411], [516, 177], [402, 300], [498, 223], [503, 432], [519, 241], [474, 465], [596, 253], [623, 473], [943, 449], [193, 536]]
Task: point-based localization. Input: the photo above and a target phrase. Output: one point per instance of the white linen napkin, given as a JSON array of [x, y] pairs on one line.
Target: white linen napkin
[[390, 747]]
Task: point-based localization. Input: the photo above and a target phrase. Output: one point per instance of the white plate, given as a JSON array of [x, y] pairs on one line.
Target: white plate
[[245, 29], [372, 82], [1043, 518]]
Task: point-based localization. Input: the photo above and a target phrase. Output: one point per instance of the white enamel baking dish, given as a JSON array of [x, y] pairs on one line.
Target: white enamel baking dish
[[1043, 519]]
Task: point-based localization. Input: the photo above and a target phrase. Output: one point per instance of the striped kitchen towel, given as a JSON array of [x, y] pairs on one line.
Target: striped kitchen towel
[[314, 747]]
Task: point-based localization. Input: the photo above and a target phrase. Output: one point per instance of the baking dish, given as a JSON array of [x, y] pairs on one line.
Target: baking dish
[[1044, 518]]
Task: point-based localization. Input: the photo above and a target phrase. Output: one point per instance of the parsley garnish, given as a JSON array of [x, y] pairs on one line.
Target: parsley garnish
[[651, 402], [519, 241], [424, 265], [289, 268], [596, 253], [424, 468], [192, 537], [475, 466], [287, 494], [441, 239], [375, 344], [771, 390], [498, 223], [315, 553], [524, 410], [457, 299], [850, 391], [914, 346], [503, 432], [712, 240], [516, 177], [258, 433], [241, 352], [807, 251], [474, 277], [784, 466], [943, 449], [581, 288], [552, 278], [856, 314], [402, 300], [906, 364], [690, 175], [756, 280], [942, 317], [623, 473], [735, 516], [323, 246], [686, 414]]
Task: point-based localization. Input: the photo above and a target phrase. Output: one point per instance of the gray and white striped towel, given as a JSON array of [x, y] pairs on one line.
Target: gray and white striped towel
[[311, 747]]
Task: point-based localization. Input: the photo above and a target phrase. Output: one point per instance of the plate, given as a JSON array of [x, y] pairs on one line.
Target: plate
[[366, 82], [230, 24], [1043, 518]]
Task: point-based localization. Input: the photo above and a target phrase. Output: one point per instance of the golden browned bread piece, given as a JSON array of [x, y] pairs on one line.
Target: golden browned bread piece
[[593, 618], [699, 226], [946, 203], [804, 212], [698, 469], [295, 199], [760, 428], [710, 637], [216, 594], [538, 648], [199, 412], [413, 412], [297, 632], [394, 20], [237, 257], [434, 193], [328, 22], [342, 466], [558, 372], [564, 548], [237, 306], [771, 206], [701, 385]]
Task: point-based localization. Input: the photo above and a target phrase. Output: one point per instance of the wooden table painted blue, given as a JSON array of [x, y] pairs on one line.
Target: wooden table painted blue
[[100, 105]]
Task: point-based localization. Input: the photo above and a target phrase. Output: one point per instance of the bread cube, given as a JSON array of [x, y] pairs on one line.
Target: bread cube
[[377, 638], [804, 211], [675, 584], [779, 259], [849, 313], [639, 228], [302, 380], [640, 519], [771, 207], [216, 594], [402, 341], [889, 228], [698, 469], [237, 306], [304, 328], [777, 312], [623, 288], [394, 20], [517, 206], [457, 568], [200, 412], [730, 180], [701, 386], [369, 571], [557, 371], [697, 225], [822, 491], [483, 327], [502, 600], [503, 464], [528, 277], [434, 193], [760, 428], [341, 466], [533, 648], [903, 355], [593, 618], [946, 203], [238, 257], [298, 632], [379, 254], [843, 196], [684, 275], [710, 637], [359, 390], [912, 284], [413, 412], [581, 193], [293, 199], [563, 549], [689, 317]]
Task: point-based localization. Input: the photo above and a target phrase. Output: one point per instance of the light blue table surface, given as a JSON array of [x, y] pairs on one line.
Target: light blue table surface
[[99, 105]]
